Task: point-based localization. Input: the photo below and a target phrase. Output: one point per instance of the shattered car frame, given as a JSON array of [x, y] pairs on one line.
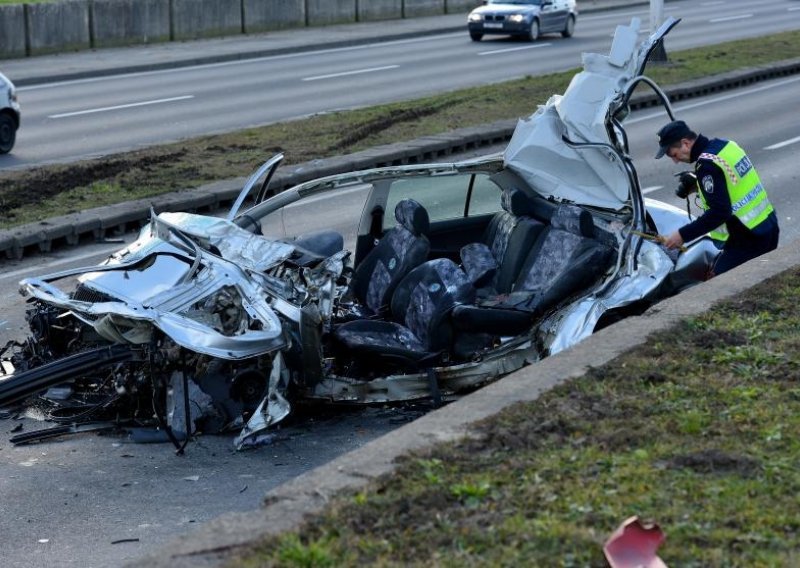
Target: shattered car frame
[[210, 324]]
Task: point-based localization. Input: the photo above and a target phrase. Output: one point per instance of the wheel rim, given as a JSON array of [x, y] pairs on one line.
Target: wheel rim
[[534, 33], [570, 25]]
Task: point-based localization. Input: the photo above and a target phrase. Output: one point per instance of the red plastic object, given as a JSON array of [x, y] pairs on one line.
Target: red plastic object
[[634, 545]]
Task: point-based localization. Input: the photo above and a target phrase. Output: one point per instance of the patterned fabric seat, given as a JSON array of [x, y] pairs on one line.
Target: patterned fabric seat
[[421, 331], [510, 235], [565, 259], [400, 250]]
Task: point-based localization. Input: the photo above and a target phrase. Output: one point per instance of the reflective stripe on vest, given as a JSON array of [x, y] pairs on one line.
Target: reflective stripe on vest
[[720, 233], [748, 198]]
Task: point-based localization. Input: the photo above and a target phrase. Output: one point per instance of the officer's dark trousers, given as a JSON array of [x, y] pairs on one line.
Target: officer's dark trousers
[[733, 256]]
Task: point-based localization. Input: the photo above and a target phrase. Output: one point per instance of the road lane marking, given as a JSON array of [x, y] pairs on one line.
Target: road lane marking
[[782, 144], [514, 49], [346, 73], [729, 18], [739, 93], [712, 3], [247, 61], [793, 9], [652, 188], [119, 107]]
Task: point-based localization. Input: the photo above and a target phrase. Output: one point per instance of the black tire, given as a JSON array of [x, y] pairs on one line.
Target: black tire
[[8, 133], [21, 385], [475, 36], [569, 28], [533, 32]]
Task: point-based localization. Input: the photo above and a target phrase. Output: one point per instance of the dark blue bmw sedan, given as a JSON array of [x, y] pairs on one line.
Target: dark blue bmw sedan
[[526, 18]]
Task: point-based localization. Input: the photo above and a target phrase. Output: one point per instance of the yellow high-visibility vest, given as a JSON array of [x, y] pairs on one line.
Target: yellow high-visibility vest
[[748, 197]]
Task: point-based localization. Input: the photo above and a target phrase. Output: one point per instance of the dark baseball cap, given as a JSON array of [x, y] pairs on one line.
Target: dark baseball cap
[[671, 133]]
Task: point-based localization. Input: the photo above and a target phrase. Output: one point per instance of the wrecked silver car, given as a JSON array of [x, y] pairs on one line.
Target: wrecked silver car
[[427, 281]]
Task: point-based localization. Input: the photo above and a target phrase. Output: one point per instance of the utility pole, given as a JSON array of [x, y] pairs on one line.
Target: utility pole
[[659, 54]]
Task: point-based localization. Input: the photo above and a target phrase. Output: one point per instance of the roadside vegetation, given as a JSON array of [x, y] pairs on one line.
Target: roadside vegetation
[[37, 193], [698, 430]]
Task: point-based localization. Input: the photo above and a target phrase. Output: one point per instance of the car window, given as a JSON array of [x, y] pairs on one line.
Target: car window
[[338, 210], [486, 197], [445, 197]]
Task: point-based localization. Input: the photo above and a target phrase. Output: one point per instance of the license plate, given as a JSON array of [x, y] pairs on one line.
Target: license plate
[[493, 26]]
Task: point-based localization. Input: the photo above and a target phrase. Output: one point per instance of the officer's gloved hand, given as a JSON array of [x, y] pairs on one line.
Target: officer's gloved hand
[[687, 184]]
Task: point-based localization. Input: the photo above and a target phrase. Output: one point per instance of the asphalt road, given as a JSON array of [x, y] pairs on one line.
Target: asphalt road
[[74, 119]]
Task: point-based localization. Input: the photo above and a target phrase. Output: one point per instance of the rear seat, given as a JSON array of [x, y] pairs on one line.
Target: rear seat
[[565, 259], [510, 235]]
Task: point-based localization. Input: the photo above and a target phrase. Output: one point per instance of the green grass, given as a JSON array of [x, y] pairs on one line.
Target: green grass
[[698, 430], [31, 195]]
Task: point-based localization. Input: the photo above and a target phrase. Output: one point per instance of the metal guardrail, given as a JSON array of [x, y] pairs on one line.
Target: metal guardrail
[[102, 222]]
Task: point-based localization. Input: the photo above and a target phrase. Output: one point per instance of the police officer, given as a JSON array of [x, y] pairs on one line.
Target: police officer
[[736, 208]]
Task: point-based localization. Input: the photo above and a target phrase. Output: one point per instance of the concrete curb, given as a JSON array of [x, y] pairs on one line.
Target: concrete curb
[[289, 504], [69, 230]]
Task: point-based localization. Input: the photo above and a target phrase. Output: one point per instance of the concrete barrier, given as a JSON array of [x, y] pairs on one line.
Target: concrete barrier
[[259, 15], [458, 6], [122, 22], [379, 10], [416, 8], [326, 12], [12, 30], [192, 19], [57, 26]]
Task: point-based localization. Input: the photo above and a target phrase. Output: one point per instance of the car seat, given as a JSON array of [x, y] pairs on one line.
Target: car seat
[[421, 333], [565, 259], [510, 235], [400, 249]]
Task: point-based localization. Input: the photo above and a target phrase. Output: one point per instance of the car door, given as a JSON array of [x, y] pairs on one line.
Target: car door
[[553, 15]]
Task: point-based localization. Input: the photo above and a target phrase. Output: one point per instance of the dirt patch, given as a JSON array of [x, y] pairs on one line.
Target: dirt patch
[[36, 186], [710, 339], [393, 118], [625, 437], [716, 461]]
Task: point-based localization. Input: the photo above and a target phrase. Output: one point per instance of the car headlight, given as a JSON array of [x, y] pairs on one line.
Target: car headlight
[[12, 94], [517, 18], [475, 17]]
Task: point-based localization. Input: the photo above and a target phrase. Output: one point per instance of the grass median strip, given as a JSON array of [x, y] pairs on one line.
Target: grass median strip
[[698, 430], [31, 195]]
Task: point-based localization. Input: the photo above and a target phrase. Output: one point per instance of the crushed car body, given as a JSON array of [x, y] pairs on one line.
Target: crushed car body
[[431, 281]]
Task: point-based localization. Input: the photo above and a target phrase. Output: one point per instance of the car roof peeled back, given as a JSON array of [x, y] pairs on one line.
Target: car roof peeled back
[[569, 135]]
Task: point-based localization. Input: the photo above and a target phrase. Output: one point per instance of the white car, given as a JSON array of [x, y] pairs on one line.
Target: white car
[[9, 115]]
